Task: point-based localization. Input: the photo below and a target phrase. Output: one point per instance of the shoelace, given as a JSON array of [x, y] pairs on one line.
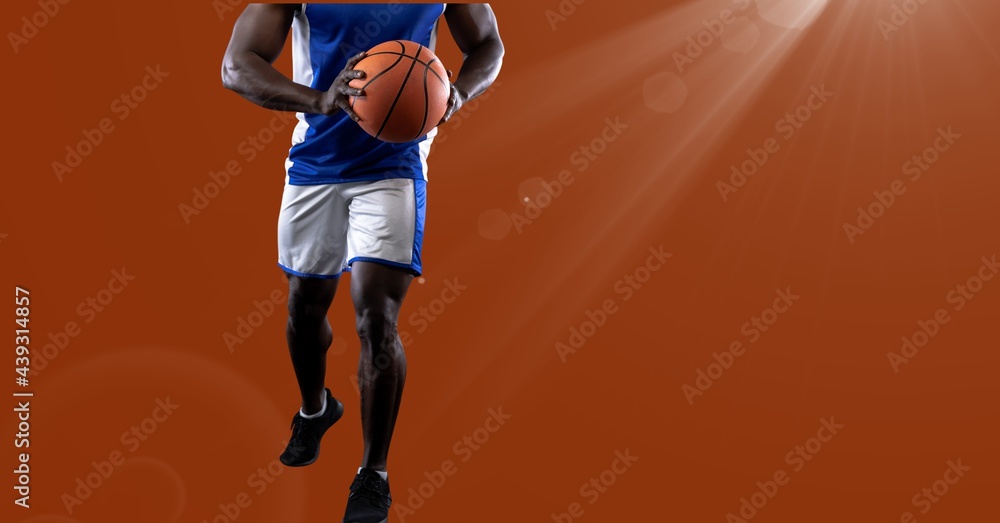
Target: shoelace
[[298, 427], [366, 485]]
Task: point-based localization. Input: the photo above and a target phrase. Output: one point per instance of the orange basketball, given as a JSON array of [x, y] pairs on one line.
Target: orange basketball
[[406, 91]]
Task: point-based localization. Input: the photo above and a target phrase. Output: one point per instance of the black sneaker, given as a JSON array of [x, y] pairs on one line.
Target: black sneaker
[[303, 448], [369, 500]]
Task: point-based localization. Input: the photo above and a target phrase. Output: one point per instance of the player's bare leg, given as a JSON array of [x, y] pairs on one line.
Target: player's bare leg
[[378, 292], [309, 337]]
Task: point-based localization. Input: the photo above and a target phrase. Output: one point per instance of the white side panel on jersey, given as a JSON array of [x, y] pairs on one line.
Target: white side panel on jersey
[[425, 150], [302, 72], [425, 146]]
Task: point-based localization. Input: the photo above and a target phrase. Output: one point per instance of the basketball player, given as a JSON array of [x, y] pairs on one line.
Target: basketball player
[[351, 202]]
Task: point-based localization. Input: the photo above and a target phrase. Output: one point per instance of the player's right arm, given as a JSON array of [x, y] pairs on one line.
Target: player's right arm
[[258, 37]]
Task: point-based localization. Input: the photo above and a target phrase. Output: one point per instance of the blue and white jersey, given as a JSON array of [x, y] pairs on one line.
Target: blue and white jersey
[[334, 149]]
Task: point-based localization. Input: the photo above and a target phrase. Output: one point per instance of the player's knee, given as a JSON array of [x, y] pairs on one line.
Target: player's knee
[[380, 349], [304, 311], [377, 326], [309, 300]]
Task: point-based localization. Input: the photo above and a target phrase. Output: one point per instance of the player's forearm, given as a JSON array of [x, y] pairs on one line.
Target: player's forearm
[[256, 80], [480, 68]]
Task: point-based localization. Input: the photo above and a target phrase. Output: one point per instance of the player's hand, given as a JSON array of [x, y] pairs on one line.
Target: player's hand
[[455, 101], [338, 97]]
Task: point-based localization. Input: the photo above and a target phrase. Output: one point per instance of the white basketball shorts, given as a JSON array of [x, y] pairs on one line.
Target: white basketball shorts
[[323, 229]]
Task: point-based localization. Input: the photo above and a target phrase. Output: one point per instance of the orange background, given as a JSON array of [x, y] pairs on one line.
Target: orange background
[[528, 285]]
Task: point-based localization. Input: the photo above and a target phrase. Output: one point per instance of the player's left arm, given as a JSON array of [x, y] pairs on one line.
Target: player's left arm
[[474, 28]]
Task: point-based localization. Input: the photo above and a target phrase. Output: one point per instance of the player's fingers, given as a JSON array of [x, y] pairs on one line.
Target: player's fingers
[[346, 89], [355, 59], [356, 73], [350, 112], [448, 113], [450, 74]]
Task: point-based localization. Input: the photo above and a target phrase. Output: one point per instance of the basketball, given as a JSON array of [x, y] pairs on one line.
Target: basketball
[[406, 91]]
